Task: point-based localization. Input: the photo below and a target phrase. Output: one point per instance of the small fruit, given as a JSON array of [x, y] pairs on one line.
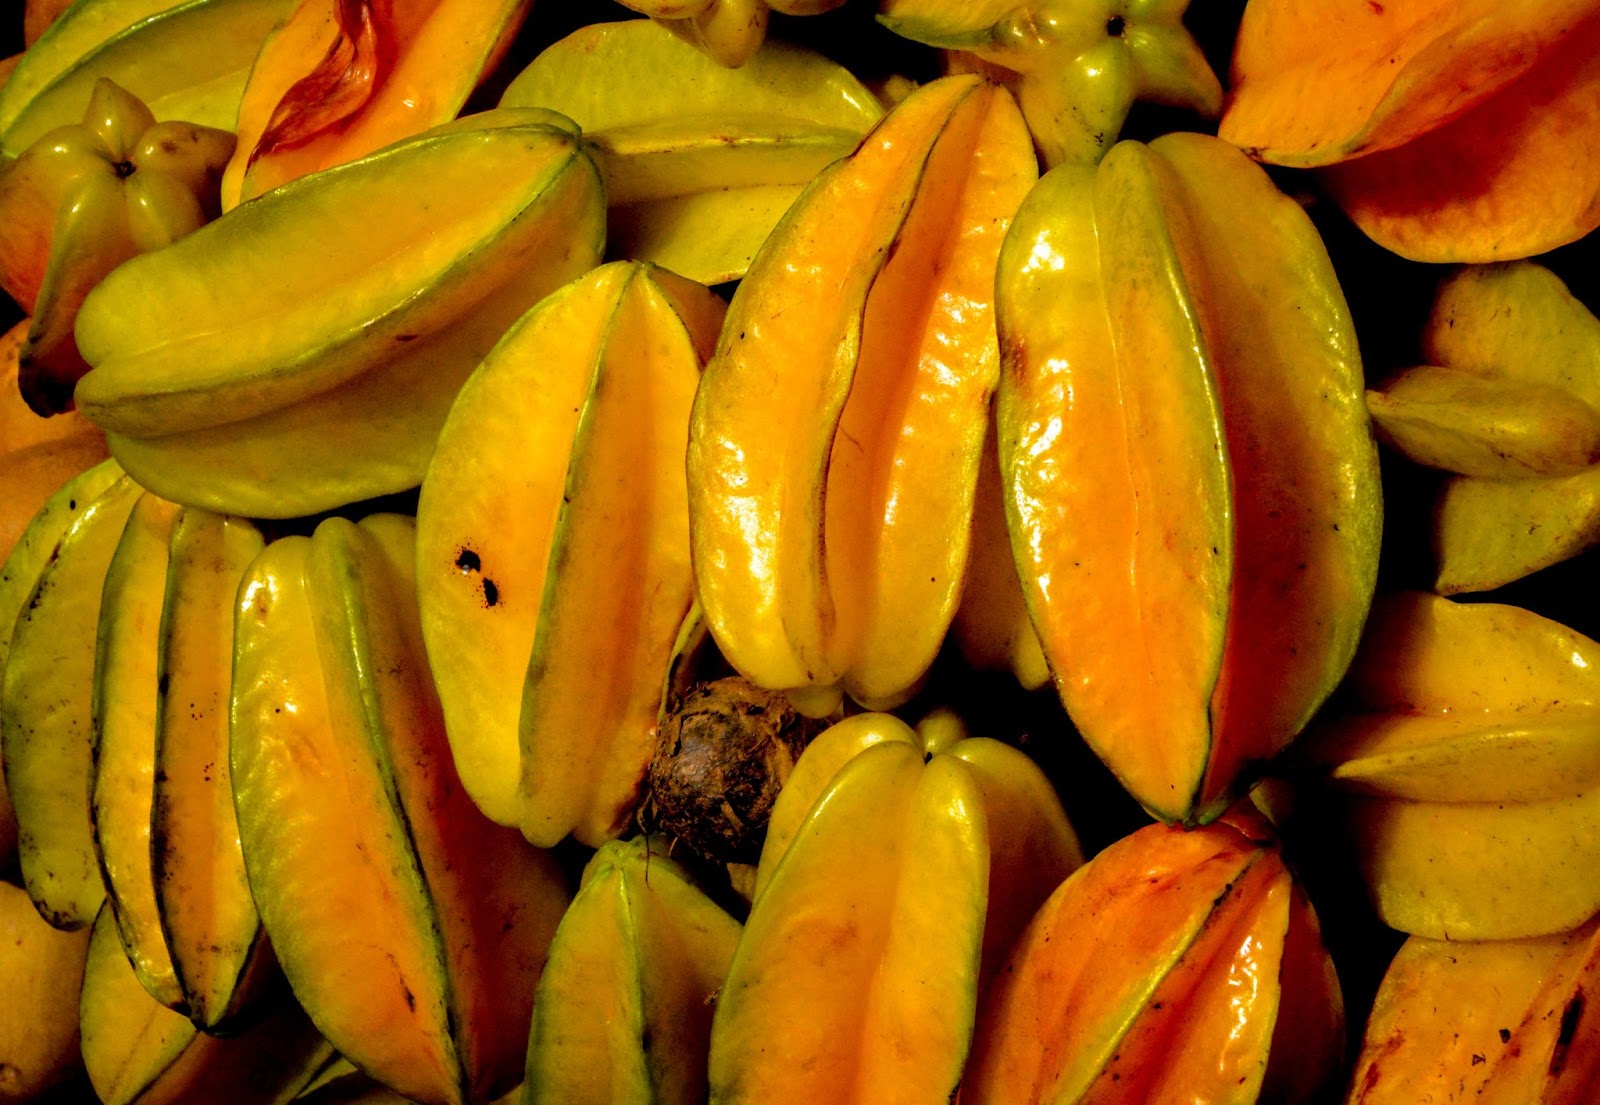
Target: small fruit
[[83, 199]]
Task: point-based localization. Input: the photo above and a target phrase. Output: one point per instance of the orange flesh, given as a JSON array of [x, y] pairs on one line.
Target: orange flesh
[[397, 67]]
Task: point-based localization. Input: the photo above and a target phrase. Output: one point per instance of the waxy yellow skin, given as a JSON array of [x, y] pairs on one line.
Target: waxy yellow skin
[[289, 409], [207, 913], [829, 550], [623, 1011], [1517, 429], [1464, 774], [46, 725], [124, 707], [41, 971], [1190, 479], [553, 548], [1498, 1022], [701, 162], [137, 1050], [187, 60], [864, 988], [27, 553], [411, 928]]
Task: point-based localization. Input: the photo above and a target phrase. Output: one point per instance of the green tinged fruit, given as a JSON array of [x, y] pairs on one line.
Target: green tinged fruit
[[137, 1050], [46, 727], [390, 275], [1513, 411], [623, 1011], [124, 707]]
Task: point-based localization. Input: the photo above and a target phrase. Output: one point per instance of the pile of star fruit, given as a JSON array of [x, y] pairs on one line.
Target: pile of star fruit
[[1010, 551]]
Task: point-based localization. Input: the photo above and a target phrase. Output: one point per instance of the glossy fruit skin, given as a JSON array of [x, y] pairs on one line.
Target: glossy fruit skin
[[1190, 480], [829, 553], [1185, 916], [551, 514], [411, 928], [863, 987], [480, 220]]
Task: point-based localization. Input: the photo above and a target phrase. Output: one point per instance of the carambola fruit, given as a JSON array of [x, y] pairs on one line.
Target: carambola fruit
[[1190, 479]]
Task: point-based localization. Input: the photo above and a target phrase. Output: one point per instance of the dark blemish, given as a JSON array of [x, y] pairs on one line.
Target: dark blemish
[[469, 561], [1505, 1035], [1115, 26], [169, 146], [72, 504], [124, 169], [1477, 1059], [1570, 1016], [406, 337], [411, 999], [161, 684], [1377, 8], [491, 593]]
